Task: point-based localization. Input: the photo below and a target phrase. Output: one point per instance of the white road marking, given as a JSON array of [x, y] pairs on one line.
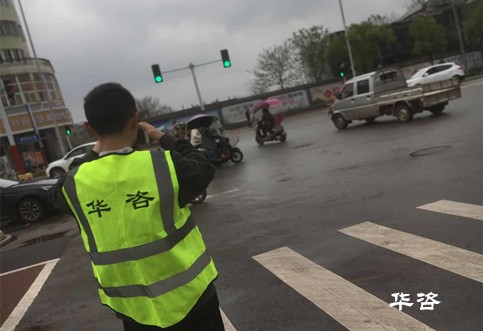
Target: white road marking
[[226, 322], [455, 208], [28, 267], [24, 304], [351, 306], [224, 192], [450, 258]]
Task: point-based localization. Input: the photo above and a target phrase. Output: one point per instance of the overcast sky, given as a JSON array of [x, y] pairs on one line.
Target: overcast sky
[[90, 42]]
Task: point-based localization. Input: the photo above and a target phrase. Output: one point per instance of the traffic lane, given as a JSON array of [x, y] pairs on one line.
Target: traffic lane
[[69, 299], [13, 287], [303, 201], [37, 242], [360, 144]]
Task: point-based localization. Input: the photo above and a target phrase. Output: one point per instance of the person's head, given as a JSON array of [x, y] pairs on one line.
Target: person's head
[[110, 110]]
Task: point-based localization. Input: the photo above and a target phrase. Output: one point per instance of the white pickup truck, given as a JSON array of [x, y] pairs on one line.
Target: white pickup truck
[[385, 92]]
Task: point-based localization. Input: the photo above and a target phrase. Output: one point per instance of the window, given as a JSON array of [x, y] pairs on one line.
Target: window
[[8, 28], [363, 86], [443, 67], [388, 75], [76, 152], [347, 91]]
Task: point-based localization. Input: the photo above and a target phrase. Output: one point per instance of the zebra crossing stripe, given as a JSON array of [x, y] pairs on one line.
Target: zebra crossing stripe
[[226, 322], [455, 208], [351, 306], [450, 258]]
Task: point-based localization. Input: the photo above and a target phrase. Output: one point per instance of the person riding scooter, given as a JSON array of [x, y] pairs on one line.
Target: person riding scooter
[[267, 123]]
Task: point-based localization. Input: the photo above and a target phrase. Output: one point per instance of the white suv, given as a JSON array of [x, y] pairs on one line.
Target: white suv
[[60, 167], [436, 73]]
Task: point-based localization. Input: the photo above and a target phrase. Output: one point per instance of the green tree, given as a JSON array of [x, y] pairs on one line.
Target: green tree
[[150, 106], [369, 41], [337, 53], [473, 24], [429, 36], [310, 46], [277, 67]]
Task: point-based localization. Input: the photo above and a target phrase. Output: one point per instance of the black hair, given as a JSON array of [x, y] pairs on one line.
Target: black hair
[[108, 108]]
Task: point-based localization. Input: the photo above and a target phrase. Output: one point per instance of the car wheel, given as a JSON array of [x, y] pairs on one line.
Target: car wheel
[[340, 122], [403, 113], [459, 78], [283, 137], [57, 173], [30, 210], [438, 109]]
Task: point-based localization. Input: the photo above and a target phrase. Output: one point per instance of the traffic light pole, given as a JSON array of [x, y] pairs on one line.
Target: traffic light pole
[[347, 40], [192, 67]]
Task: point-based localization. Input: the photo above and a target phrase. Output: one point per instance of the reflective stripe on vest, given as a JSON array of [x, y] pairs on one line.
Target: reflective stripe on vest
[[147, 255]]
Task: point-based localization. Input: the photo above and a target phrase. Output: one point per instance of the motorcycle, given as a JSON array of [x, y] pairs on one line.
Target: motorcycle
[[277, 133], [217, 147]]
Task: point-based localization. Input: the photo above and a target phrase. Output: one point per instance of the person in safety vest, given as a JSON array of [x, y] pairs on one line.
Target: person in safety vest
[[148, 256]]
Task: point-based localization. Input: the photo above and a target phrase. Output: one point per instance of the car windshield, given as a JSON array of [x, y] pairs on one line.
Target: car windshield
[[4, 183], [419, 73]]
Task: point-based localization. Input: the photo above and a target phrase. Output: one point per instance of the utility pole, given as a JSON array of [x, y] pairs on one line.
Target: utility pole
[[192, 68], [460, 38], [346, 39], [44, 83]]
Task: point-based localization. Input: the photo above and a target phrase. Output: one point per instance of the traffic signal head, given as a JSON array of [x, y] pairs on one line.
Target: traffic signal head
[[158, 77], [342, 70], [225, 58], [67, 130], [342, 73]]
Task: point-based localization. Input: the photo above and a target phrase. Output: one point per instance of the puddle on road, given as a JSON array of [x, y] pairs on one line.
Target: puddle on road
[[42, 239]]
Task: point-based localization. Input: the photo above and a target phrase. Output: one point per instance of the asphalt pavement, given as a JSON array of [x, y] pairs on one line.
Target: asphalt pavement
[[319, 232]]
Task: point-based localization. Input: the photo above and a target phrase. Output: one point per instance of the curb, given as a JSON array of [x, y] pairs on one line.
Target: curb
[[5, 238]]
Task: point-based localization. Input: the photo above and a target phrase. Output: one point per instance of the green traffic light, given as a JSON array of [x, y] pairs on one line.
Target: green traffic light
[[342, 74], [158, 79], [227, 64], [67, 132]]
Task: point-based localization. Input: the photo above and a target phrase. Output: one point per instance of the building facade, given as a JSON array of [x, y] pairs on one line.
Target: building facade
[[32, 108]]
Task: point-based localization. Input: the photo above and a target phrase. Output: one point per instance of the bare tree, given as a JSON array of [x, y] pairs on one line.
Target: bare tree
[[276, 67], [150, 106]]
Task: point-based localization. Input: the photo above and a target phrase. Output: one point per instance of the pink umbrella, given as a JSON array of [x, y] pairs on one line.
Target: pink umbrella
[[274, 105], [271, 102]]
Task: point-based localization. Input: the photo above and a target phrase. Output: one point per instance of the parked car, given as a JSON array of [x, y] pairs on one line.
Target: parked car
[[24, 202], [436, 73], [60, 167]]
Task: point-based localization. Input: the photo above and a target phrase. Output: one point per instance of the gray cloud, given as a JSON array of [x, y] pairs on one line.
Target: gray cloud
[[93, 41]]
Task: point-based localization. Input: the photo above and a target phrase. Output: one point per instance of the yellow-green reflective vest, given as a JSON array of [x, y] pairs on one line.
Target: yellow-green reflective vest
[[148, 256]]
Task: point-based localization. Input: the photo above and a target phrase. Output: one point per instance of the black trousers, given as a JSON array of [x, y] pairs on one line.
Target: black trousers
[[206, 317]]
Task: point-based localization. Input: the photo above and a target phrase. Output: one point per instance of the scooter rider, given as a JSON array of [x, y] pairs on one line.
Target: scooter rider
[[267, 123]]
